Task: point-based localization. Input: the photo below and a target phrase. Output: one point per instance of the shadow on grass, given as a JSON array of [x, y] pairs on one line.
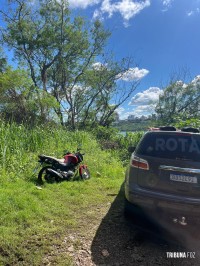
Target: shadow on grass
[[119, 241], [33, 178]]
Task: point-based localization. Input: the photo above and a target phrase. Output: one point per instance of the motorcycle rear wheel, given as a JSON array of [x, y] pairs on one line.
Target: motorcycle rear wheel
[[44, 176], [85, 174]]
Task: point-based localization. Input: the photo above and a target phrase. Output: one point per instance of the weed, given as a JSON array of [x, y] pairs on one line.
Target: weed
[[33, 220]]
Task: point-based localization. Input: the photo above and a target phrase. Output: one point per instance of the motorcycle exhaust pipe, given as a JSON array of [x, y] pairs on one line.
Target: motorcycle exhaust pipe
[[54, 173]]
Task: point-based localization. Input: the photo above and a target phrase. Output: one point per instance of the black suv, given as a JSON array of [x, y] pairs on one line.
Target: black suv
[[164, 175]]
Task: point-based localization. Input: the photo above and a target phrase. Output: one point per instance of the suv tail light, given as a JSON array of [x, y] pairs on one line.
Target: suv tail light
[[140, 163]]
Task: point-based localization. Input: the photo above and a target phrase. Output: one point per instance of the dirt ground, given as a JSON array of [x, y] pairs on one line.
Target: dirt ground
[[112, 240]]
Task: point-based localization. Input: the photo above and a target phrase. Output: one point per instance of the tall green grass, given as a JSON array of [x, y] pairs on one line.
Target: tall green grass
[[20, 147], [34, 220]]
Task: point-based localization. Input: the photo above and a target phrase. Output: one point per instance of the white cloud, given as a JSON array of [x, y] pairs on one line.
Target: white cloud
[[99, 66], [190, 13], [167, 4], [147, 97], [124, 115], [180, 83], [120, 110], [193, 12], [144, 110], [138, 111], [143, 103], [133, 74], [127, 9], [82, 3], [196, 80]]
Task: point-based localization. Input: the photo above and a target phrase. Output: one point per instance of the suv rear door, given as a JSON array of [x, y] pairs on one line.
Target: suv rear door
[[174, 162]]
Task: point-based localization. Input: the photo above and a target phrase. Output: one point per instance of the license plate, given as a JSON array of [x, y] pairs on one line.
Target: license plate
[[183, 178]]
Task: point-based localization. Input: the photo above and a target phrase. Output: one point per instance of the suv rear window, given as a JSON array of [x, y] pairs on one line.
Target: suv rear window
[[170, 145]]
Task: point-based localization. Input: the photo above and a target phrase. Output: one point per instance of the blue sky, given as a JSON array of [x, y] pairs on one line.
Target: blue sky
[[162, 36]]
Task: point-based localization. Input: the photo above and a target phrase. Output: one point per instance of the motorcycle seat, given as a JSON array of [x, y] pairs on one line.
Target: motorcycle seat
[[60, 161]]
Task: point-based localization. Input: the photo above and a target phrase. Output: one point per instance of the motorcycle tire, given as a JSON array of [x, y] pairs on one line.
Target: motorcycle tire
[[85, 174], [43, 176]]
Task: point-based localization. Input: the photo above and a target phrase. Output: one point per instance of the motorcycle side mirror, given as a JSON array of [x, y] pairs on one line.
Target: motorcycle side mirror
[[131, 149]]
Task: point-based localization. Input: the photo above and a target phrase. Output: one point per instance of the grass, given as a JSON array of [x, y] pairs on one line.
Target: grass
[[35, 220]]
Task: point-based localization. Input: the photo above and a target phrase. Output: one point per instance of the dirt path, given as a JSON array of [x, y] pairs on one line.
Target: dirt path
[[112, 241]]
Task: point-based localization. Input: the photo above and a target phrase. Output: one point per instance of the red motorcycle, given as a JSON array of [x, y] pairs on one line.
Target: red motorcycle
[[67, 168]]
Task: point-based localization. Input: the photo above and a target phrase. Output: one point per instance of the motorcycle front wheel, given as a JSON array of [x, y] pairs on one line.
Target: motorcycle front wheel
[[85, 173], [43, 175]]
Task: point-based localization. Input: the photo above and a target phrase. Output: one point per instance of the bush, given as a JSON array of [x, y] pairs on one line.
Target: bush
[[193, 122], [111, 139]]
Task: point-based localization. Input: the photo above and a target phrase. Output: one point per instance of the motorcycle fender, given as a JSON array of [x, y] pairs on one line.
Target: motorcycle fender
[[81, 167]]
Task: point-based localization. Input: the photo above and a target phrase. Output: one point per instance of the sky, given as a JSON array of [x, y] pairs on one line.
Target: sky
[[163, 37]]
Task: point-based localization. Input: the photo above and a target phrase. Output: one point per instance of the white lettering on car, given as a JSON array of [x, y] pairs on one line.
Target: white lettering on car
[[183, 144], [171, 144], [160, 144], [194, 146]]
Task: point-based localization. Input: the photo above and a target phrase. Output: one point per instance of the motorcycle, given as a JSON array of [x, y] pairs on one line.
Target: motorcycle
[[57, 170]]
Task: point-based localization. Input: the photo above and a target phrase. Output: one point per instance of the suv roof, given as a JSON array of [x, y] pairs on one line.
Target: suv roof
[[172, 128]]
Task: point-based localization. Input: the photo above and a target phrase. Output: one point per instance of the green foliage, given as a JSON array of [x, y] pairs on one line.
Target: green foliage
[[3, 61], [20, 146], [193, 122], [111, 139], [104, 133], [56, 48], [33, 221], [15, 100], [20, 101], [179, 102], [14, 79], [59, 50], [130, 139]]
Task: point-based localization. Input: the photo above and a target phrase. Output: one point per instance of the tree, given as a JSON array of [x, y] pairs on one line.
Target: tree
[[19, 101], [14, 86], [56, 49], [179, 101], [109, 90], [3, 63], [60, 53], [68, 74]]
